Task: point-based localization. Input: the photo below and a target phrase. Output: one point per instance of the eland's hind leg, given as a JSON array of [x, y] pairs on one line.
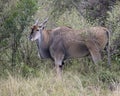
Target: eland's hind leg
[[94, 51]]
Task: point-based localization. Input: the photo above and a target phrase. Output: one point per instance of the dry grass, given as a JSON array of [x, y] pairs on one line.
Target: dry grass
[[46, 84]]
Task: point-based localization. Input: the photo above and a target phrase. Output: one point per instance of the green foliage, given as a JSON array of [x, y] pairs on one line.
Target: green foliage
[[113, 22], [14, 22], [108, 77], [85, 8], [73, 20], [61, 6]]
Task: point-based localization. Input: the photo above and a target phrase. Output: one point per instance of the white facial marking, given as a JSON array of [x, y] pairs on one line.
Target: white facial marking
[[37, 35]]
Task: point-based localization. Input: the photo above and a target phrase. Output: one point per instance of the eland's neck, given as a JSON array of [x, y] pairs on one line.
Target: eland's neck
[[42, 44]]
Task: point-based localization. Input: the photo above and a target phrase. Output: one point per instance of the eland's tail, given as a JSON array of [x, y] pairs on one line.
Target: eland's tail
[[108, 48]]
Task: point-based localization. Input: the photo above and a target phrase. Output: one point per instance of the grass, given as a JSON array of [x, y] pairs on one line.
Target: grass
[[73, 83]]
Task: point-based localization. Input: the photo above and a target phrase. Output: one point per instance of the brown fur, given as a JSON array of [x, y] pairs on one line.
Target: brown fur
[[94, 38], [64, 42], [46, 34]]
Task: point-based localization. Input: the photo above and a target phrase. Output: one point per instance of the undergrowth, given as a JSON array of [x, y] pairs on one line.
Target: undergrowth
[[79, 79]]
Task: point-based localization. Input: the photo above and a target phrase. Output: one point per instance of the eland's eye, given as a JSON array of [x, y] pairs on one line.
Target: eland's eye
[[37, 30]]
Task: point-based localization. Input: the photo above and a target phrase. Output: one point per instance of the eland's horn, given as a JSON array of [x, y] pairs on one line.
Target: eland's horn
[[45, 21], [37, 21]]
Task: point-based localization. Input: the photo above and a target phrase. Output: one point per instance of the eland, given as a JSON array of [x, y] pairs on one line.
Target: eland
[[62, 43]]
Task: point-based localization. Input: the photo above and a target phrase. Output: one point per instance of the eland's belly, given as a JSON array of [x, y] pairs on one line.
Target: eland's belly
[[77, 50]]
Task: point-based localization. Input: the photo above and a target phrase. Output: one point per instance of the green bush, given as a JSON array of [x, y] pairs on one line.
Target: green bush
[[113, 22], [107, 77], [14, 20]]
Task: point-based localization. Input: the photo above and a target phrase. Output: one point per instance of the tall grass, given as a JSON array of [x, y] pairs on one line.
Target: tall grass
[[46, 84]]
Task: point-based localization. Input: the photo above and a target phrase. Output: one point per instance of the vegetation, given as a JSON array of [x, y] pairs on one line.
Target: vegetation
[[73, 84], [22, 73]]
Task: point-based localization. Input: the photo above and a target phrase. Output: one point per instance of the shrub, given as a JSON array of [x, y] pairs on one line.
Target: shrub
[[113, 22]]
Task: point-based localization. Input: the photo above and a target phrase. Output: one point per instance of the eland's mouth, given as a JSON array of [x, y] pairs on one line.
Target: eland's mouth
[[30, 38]]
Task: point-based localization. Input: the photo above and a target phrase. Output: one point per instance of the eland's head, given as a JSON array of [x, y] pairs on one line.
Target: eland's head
[[36, 30]]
